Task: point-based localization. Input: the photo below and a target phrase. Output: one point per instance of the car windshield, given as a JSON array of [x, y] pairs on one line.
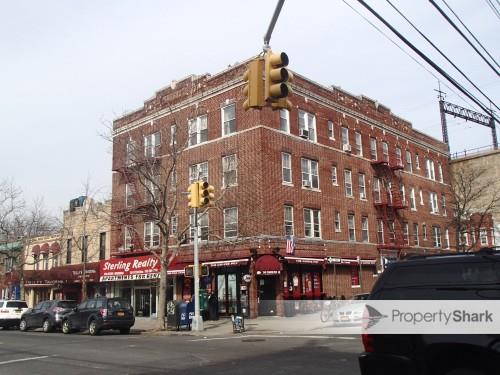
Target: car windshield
[[118, 304], [17, 304], [66, 304]]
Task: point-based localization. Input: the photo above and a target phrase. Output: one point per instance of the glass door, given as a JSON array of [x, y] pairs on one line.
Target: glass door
[[221, 293], [227, 293], [142, 302]]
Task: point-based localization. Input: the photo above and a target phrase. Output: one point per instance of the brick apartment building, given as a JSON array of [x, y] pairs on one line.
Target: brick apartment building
[[312, 201]]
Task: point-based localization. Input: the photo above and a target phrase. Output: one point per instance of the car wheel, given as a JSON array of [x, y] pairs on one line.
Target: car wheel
[[324, 316], [66, 326], [23, 326], [93, 329], [46, 326], [124, 331]]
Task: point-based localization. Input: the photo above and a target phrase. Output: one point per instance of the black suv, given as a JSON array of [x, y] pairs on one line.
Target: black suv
[[98, 314], [47, 315], [457, 276]]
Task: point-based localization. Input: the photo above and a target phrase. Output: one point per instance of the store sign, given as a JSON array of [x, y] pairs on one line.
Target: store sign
[[334, 260], [247, 278], [138, 268]]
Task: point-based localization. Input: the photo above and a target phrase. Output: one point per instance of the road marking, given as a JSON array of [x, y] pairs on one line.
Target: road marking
[[274, 336], [23, 359]]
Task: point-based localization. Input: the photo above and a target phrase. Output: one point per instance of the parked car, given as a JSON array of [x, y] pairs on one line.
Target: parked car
[[47, 315], [97, 314], [458, 276], [350, 311], [10, 312]]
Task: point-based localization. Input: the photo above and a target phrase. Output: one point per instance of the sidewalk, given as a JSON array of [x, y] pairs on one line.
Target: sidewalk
[[302, 324]]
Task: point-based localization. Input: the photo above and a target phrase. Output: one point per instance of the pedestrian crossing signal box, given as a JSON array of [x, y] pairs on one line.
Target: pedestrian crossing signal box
[[189, 271]]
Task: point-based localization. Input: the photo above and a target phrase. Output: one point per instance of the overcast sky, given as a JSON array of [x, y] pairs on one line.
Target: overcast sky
[[68, 68]]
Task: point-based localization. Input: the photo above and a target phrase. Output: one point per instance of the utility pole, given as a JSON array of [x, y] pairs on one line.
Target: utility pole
[[267, 37], [197, 320]]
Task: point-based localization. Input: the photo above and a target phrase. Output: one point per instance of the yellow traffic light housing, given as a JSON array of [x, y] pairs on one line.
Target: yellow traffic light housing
[[206, 194], [254, 88], [277, 78], [194, 195], [203, 270]]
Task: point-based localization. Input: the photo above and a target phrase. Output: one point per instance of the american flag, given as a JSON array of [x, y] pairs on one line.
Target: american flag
[[290, 244]]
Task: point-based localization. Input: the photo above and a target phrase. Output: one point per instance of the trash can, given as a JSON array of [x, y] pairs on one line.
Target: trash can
[[213, 307], [171, 315], [238, 323]]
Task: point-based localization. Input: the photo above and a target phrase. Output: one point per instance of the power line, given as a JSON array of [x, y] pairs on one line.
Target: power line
[[428, 60], [440, 52], [470, 32], [462, 34], [493, 8]]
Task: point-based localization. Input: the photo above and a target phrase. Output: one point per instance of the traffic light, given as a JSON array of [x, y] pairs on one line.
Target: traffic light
[[254, 88], [194, 195], [206, 194], [189, 271], [277, 77]]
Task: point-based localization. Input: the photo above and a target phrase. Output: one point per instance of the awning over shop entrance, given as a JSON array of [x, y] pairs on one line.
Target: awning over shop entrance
[[268, 265], [299, 260], [227, 263]]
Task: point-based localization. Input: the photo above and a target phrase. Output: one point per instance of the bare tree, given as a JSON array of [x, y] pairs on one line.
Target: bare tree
[[476, 197]]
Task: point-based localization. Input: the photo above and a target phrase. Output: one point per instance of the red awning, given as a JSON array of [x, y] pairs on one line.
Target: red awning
[[176, 268], [35, 249], [268, 265], [300, 260], [227, 263], [55, 247], [45, 248]]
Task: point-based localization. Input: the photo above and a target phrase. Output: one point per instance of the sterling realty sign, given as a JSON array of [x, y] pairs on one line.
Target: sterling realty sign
[[138, 268]]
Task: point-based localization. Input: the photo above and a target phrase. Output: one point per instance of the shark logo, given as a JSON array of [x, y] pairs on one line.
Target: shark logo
[[373, 317]]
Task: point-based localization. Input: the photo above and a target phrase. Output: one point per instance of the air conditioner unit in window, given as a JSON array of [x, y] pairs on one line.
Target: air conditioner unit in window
[[306, 183], [304, 133], [346, 148]]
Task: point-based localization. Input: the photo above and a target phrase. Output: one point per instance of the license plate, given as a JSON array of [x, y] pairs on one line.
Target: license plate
[[120, 313], [18, 311], [343, 318]]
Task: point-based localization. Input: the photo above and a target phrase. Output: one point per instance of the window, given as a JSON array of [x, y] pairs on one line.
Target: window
[[413, 202], [310, 177], [385, 152], [406, 234], [334, 175], [286, 167], [436, 236], [348, 182], [288, 214], [202, 226], [68, 251], [373, 149], [337, 221], [285, 120], [331, 134], [355, 276], [409, 164], [446, 239], [173, 225], [307, 122], [392, 233], [230, 222], [440, 172], [430, 173], [433, 200], [345, 135], [421, 197], [443, 205], [55, 261], [312, 223], [388, 188], [84, 241], [131, 152], [417, 161], [364, 229], [151, 234], [351, 227], [229, 119], [403, 194], [198, 172], [376, 190], [173, 135], [198, 130], [102, 245], [362, 186], [152, 189], [416, 241], [359, 144], [424, 231], [45, 261], [229, 170], [130, 195], [128, 235], [152, 145], [399, 160], [483, 236], [36, 258], [380, 231]]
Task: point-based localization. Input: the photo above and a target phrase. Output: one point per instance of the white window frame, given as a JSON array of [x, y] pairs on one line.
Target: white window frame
[[424, 231], [483, 236], [128, 235], [358, 143], [373, 149], [351, 227], [436, 236], [399, 156], [440, 172], [307, 121], [288, 220], [151, 235], [338, 224], [362, 186], [335, 180], [173, 134], [312, 223], [198, 172], [377, 192], [229, 168], [228, 123], [345, 135], [365, 232], [130, 200], [286, 165], [416, 239], [417, 161], [152, 189], [446, 239], [409, 162], [443, 205], [406, 233], [430, 172], [230, 226], [421, 197], [285, 120], [152, 143], [174, 224], [198, 130], [203, 226], [433, 202], [385, 151], [380, 231], [310, 173], [331, 130], [130, 150], [348, 183], [413, 200]]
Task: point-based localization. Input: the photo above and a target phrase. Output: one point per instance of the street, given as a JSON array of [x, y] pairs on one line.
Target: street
[[37, 353]]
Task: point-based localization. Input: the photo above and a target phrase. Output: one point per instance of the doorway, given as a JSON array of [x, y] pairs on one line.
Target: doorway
[[267, 295], [145, 302], [227, 293]]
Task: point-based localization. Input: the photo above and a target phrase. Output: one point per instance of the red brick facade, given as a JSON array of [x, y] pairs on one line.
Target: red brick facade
[[260, 194]]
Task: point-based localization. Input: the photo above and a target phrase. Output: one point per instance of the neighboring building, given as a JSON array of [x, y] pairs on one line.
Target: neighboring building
[[319, 199], [54, 264], [9, 263], [489, 232]]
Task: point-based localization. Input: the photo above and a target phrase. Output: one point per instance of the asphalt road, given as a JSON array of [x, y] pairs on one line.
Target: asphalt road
[[35, 352]]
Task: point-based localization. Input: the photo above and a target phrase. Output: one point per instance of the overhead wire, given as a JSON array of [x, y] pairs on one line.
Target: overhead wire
[[463, 35], [493, 8], [441, 52], [470, 32]]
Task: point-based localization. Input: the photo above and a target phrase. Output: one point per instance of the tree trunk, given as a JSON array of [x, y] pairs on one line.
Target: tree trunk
[[163, 286], [84, 283]]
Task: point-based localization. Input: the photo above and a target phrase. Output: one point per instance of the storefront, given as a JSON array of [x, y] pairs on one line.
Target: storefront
[[268, 272], [345, 277]]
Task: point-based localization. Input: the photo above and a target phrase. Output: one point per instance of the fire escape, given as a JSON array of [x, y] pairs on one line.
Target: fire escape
[[390, 202]]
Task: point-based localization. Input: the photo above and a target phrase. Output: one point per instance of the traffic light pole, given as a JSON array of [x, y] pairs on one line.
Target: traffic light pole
[[267, 37], [197, 320]]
